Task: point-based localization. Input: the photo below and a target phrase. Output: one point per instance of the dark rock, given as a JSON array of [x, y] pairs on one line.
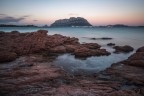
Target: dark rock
[[103, 38], [7, 56], [111, 44], [140, 49], [125, 49], [91, 45]]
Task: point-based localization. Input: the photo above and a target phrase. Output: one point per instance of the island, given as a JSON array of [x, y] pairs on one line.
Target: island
[[72, 21]]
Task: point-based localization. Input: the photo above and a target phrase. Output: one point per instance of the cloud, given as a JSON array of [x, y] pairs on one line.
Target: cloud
[[73, 14], [26, 16], [9, 19], [2, 14], [35, 20]]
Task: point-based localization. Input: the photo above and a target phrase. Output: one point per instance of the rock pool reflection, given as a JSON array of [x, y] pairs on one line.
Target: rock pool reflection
[[90, 65]]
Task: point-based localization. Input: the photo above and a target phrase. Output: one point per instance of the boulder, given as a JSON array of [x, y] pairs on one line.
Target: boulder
[[137, 59], [124, 49], [140, 49], [82, 52], [85, 52]]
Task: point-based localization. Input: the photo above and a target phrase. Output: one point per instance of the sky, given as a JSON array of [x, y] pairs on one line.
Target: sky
[[97, 12]]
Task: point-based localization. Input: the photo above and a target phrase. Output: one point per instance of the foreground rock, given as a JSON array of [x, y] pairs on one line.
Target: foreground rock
[[15, 44], [33, 75], [130, 72], [124, 49], [136, 59]]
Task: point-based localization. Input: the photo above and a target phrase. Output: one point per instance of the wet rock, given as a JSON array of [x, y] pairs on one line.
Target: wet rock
[[124, 93], [82, 52], [85, 52], [71, 48], [58, 49], [41, 42], [111, 44], [137, 59], [130, 70], [7, 56], [124, 49]]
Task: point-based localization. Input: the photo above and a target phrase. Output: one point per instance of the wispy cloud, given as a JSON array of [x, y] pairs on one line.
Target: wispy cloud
[[2, 14], [73, 14], [35, 20], [9, 19]]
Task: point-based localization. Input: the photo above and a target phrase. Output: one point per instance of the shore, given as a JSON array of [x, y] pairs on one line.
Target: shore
[[26, 68]]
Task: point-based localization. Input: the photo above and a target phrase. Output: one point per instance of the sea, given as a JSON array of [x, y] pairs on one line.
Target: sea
[[133, 36]]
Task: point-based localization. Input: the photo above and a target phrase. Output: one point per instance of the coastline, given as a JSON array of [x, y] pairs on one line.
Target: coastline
[[33, 74]]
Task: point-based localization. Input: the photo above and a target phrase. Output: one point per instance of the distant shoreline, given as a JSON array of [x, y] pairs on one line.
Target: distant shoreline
[[107, 26]]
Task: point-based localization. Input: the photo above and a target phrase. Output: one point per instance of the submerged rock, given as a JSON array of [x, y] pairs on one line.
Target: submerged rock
[[103, 38]]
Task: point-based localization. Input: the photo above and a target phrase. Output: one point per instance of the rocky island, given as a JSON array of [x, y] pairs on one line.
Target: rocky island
[[72, 21], [26, 68]]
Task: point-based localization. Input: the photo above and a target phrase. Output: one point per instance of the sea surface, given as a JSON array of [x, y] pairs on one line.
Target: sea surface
[[132, 36]]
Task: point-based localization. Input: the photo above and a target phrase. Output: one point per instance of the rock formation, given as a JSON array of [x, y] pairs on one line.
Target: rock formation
[[123, 49], [15, 44], [79, 21]]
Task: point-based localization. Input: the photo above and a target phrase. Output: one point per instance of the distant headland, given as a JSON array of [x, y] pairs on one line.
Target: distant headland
[[72, 21]]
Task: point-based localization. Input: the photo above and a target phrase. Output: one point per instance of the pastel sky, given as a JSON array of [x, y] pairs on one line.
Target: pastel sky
[[97, 12]]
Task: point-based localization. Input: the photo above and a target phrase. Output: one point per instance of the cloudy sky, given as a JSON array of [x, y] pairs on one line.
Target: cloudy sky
[[97, 12]]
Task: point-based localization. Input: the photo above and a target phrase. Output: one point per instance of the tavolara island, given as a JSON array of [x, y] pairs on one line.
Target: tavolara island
[[72, 21]]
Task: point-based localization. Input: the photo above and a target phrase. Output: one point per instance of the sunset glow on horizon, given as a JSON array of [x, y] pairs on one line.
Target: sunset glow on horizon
[[97, 12]]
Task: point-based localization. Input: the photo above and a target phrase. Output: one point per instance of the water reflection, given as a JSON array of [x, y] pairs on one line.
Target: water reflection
[[92, 64]]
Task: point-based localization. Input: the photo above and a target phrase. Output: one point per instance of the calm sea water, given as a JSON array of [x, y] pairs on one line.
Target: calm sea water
[[121, 36]]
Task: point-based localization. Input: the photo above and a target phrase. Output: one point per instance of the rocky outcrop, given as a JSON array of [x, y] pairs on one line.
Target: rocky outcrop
[[33, 75], [124, 49], [136, 59], [17, 44], [85, 52], [79, 21], [130, 72]]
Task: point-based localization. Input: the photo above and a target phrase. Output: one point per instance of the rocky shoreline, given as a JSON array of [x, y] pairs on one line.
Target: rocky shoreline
[[26, 68]]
